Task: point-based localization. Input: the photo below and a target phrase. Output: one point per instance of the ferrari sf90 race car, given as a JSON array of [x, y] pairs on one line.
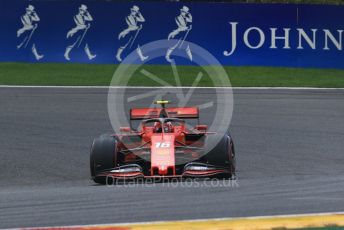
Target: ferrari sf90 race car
[[163, 146]]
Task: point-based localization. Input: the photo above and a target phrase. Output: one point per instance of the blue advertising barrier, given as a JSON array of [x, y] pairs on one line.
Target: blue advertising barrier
[[236, 34]]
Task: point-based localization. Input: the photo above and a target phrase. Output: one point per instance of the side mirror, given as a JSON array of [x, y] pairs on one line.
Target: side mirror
[[202, 128], [124, 129]]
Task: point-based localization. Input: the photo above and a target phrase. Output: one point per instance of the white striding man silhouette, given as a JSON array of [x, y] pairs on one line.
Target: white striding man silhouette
[[30, 23], [184, 26], [82, 24], [128, 36]]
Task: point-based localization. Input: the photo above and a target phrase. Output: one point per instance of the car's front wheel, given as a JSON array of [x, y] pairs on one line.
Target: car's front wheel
[[223, 154], [103, 156]]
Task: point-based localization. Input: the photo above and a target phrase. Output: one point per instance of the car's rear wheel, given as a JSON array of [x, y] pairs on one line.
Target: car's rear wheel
[[103, 157]]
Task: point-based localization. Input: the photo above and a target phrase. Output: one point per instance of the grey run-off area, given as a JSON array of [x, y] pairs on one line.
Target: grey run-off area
[[289, 147]]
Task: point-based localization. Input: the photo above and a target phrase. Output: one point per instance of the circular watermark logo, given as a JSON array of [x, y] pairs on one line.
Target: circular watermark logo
[[203, 84]]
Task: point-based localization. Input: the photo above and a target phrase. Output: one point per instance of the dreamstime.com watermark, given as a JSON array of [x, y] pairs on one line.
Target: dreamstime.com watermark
[[173, 183]]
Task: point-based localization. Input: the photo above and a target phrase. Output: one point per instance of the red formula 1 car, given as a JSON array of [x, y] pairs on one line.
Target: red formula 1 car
[[162, 147]]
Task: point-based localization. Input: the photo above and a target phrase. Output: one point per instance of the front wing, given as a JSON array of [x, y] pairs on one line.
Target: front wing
[[193, 170]]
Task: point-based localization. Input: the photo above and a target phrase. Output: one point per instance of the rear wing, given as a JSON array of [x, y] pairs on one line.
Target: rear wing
[[147, 113]]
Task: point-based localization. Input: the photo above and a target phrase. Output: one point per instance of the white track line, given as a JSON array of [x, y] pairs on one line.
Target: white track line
[[190, 220], [164, 87]]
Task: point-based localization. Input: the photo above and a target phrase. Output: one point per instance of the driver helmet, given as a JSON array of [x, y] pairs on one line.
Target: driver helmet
[[168, 127]]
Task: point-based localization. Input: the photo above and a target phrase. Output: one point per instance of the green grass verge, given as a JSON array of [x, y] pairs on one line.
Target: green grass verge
[[101, 75]]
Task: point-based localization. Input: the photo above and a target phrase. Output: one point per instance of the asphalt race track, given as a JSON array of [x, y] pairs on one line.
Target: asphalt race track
[[289, 143]]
